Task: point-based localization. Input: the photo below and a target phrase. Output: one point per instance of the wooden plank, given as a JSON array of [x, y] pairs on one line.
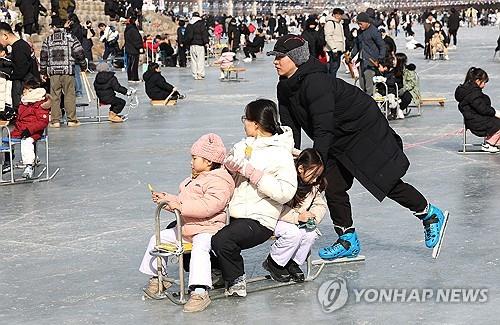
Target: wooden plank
[[430, 100]]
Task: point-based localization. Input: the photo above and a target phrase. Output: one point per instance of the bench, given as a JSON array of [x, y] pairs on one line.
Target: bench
[[231, 70]]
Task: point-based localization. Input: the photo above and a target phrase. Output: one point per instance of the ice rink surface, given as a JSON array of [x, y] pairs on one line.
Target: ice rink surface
[[70, 248]]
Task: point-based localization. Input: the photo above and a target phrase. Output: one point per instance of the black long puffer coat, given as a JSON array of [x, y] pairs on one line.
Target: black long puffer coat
[[475, 106], [345, 124], [157, 88], [314, 40]]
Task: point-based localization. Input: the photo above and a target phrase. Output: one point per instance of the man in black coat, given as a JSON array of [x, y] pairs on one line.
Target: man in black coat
[[27, 8], [313, 37], [354, 139], [453, 25], [181, 46], [255, 46], [25, 66], [271, 25], [134, 47]]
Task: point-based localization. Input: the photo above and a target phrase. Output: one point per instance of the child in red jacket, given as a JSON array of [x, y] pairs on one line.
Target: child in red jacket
[[32, 119]]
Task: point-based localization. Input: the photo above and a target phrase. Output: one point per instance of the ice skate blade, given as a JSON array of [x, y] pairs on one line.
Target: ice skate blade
[[341, 260], [437, 249]]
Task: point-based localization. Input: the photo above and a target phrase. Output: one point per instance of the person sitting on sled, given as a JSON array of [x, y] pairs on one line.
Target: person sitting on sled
[[296, 230], [201, 201]]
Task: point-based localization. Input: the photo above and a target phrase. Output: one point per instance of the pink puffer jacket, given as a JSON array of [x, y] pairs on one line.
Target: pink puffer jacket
[[203, 202], [226, 60]]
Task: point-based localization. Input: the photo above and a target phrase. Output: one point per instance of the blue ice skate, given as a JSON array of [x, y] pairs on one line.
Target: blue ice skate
[[434, 223], [346, 246]]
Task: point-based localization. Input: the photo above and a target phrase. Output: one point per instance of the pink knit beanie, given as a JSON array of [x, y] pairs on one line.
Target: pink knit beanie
[[210, 147]]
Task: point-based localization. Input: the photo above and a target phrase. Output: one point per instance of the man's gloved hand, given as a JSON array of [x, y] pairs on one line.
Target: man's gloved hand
[[131, 92]]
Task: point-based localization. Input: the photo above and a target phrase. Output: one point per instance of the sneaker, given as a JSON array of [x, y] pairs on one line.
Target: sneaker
[[237, 288], [247, 60], [295, 271], [152, 288], [446, 57], [181, 96], [489, 148], [73, 123], [277, 272], [399, 114], [28, 172], [54, 125], [346, 246], [114, 118], [433, 220], [6, 167], [197, 302]]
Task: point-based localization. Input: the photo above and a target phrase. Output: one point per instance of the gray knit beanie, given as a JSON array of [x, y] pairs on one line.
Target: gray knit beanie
[[102, 67], [293, 46]]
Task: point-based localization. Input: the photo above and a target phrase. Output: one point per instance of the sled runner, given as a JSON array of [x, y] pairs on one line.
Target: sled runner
[[176, 251]]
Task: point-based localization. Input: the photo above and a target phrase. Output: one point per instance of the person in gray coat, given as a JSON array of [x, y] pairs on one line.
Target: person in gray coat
[[371, 49]]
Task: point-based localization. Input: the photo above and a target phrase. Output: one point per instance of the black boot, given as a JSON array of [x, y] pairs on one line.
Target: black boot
[[217, 279], [295, 271], [278, 273]]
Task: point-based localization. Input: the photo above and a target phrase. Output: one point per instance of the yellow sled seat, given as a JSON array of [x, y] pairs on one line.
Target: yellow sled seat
[[169, 247]]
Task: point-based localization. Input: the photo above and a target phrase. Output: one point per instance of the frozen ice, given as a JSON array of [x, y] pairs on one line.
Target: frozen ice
[[70, 248]]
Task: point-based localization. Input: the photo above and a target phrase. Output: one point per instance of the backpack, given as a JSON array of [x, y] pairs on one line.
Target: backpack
[[251, 28]]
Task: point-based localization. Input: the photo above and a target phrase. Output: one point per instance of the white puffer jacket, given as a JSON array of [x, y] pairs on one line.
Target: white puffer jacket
[[263, 202]]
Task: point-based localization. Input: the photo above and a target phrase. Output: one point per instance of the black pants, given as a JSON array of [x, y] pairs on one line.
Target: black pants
[[117, 105], [340, 181], [250, 51], [405, 100], [110, 49], [133, 67], [228, 243], [16, 92], [164, 94], [453, 33], [182, 56]]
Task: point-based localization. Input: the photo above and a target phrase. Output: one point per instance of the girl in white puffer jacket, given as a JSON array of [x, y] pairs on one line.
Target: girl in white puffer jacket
[[266, 179]]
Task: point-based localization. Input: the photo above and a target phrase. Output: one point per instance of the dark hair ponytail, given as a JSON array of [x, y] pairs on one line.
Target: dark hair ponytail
[[308, 158], [153, 66], [265, 113], [476, 74]]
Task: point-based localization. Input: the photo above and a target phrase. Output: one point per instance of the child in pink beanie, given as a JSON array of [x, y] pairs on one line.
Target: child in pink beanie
[[202, 201]]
